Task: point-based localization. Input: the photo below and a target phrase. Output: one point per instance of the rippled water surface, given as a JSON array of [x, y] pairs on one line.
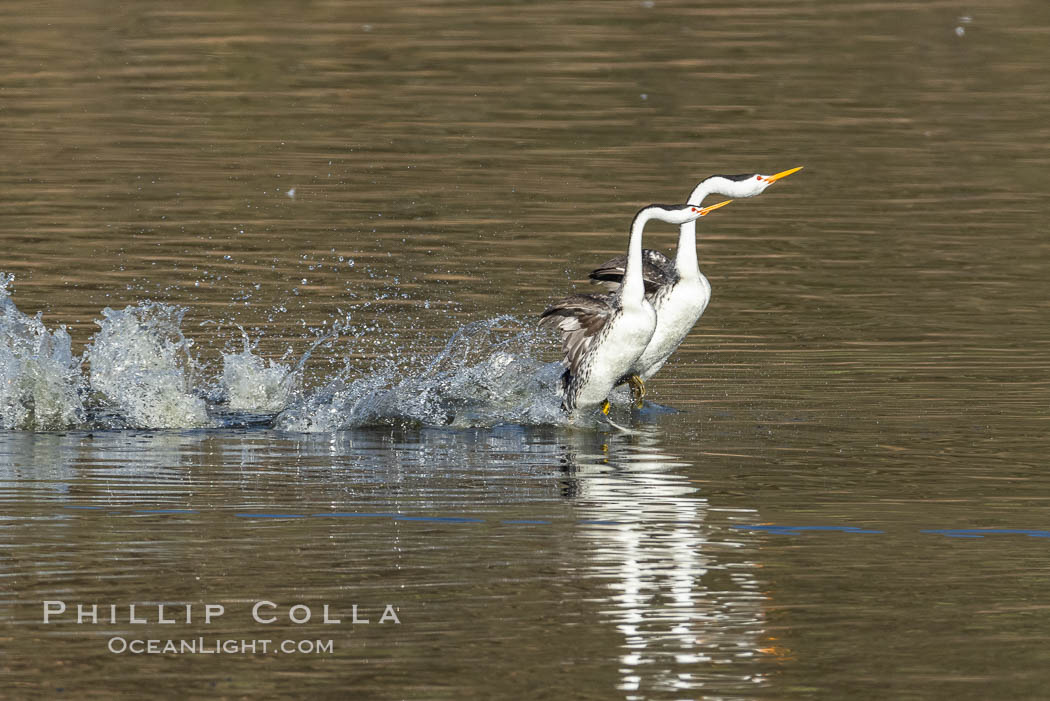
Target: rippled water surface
[[287, 259]]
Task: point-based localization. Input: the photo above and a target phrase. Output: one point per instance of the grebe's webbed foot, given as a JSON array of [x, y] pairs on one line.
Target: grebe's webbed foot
[[637, 390], [605, 407]]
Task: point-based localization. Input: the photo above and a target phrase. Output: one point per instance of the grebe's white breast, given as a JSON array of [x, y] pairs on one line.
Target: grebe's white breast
[[617, 351], [678, 307]]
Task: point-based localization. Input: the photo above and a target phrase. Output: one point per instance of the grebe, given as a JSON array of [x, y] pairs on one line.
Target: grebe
[[677, 289], [603, 335]]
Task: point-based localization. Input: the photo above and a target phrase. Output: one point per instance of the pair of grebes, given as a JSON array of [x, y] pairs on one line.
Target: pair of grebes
[[626, 335]]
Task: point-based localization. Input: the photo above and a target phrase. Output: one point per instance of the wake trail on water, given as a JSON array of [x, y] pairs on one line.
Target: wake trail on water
[[139, 370]]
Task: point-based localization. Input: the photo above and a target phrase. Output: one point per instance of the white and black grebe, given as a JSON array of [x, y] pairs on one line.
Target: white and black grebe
[[677, 289], [603, 335]]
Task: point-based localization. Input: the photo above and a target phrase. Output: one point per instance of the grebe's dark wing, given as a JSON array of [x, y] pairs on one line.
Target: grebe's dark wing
[[580, 319], [657, 270]]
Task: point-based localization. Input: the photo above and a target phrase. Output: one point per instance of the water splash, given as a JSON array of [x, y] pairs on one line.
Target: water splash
[[41, 385], [143, 374], [142, 368], [251, 384], [484, 376]]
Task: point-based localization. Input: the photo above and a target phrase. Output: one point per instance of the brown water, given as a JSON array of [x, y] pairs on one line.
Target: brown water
[[873, 363]]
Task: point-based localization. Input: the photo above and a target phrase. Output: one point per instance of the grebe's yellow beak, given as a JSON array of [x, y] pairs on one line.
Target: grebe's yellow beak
[[783, 174], [704, 212]]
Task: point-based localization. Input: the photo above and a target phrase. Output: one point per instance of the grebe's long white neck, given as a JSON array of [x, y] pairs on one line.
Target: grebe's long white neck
[[746, 185], [685, 257], [633, 289]]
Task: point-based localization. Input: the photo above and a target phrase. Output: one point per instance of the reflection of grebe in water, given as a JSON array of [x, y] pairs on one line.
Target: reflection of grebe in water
[[686, 605]]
